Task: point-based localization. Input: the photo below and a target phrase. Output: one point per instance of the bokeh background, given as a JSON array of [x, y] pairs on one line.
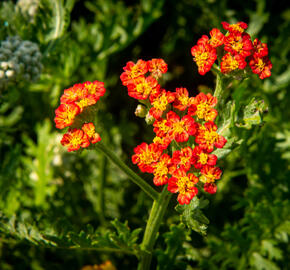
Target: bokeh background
[[51, 44]]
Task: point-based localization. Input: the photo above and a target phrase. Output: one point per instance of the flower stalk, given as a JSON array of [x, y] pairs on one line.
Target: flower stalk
[[132, 175]]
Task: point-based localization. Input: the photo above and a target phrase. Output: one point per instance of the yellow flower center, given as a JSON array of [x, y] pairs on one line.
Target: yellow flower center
[[143, 88], [184, 160], [91, 88], [202, 110], [210, 137], [183, 99], [146, 157], [203, 158], [260, 65], [201, 58], [237, 46], [135, 72], [178, 127], [75, 141], [160, 103], [161, 169], [184, 184], [236, 27]]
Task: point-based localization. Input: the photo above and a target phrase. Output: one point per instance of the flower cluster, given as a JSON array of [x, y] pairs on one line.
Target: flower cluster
[[74, 101], [235, 50], [186, 135]]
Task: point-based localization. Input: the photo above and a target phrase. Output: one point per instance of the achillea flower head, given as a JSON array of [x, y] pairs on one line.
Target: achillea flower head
[[65, 115], [261, 66], [132, 71], [230, 63], [74, 139], [90, 130], [182, 100], [161, 170], [157, 67]]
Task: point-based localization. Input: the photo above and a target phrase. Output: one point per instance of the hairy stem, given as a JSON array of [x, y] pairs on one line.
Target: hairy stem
[[101, 191], [156, 215], [132, 175]]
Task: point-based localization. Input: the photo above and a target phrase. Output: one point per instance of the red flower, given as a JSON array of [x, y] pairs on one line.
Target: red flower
[[230, 63], [133, 71], [65, 115], [217, 38], [182, 100], [261, 66], [89, 129], [210, 174], [74, 139], [203, 107], [239, 44], [95, 88], [142, 87], [181, 159], [233, 28], [207, 137], [162, 142], [181, 129], [146, 156], [201, 158], [184, 184], [71, 94], [160, 103], [157, 67], [204, 55], [260, 49], [210, 188], [161, 128], [161, 170]]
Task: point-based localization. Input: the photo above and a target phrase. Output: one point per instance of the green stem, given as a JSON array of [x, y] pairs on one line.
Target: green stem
[[219, 86], [132, 175], [101, 184], [150, 236]]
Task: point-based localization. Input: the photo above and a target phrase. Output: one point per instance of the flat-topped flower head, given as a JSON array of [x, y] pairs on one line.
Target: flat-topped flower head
[[200, 158], [143, 87], [230, 63], [157, 67], [181, 129], [146, 156], [74, 139], [65, 115], [90, 130], [182, 100], [181, 159], [238, 44], [160, 102], [239, 27], [161, 170], [204, 55], [217, 38], [208, 138], [261, 66], [184, 184], [203, 107], [209, 174], [133, 71]]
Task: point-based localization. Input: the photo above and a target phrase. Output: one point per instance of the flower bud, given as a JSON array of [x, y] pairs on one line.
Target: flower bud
[[141, 111], [149, 119]]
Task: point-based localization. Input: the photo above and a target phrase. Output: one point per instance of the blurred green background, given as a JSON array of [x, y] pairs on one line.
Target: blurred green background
[[49, 194]]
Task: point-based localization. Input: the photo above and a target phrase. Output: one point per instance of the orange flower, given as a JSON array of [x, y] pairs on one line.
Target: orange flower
[[65, 115], [210, 174], [217, 38], [201, 158], [160, 103], [181, 159], [74, 139], [204, 55], [161, 170], [230, 63], [71, 94], [182, 100], [146, 156], [143, 87], [203, 107], [239, 44], [133, 71], [181, 129], [162, 142], [233, 28], [261, 66], [207, 137], [184, 184], [157, 67], [89, 129], [95, 88], [161, 128]]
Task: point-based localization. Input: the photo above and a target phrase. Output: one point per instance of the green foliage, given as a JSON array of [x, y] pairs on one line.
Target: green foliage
[[192, 216]]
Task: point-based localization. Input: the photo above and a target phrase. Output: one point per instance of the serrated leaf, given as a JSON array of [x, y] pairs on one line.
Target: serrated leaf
[[260, 263], [192, 216]]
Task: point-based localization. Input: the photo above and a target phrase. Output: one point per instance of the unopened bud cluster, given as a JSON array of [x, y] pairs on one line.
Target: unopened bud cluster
[[20, 60]]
